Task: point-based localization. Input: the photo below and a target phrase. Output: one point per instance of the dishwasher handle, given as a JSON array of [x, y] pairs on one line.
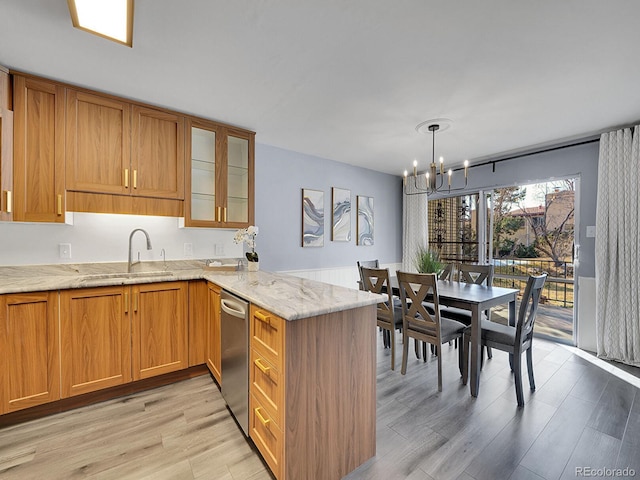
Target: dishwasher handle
[[233, 308]]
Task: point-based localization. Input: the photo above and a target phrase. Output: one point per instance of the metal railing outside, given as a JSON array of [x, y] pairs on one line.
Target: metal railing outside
[[558, 289]]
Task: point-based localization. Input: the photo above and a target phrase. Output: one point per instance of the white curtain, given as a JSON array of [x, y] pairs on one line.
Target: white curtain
[[415, 232], [618, 247]]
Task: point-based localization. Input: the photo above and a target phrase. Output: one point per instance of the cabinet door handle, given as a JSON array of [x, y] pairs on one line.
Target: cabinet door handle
[[126, 178], [218, 215], [9, 201], [59, 204], [135, 302], [264, 421], [263, 368], [135, 179], [225, 214], [263, 318], [126, 302]]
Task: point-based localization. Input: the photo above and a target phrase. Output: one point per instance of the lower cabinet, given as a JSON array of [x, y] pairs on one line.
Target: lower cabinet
[[113, 335], [214, 346], [266, 386], [29, 358], [198, 321], [312, 384], [95, 335], [159, 333]]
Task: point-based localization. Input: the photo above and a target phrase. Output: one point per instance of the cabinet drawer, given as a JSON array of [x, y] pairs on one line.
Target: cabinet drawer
[[266, 435], [267, 335], [266, 384]]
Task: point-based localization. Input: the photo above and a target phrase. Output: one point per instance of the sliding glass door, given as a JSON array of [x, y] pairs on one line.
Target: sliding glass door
[[521, 230]]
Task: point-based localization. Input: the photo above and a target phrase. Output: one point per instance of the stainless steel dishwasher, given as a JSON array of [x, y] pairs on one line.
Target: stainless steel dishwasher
[[235, 356]]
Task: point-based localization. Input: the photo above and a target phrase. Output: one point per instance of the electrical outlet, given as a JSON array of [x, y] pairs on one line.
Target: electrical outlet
[[188, 250], [64, 251], [591, 231]]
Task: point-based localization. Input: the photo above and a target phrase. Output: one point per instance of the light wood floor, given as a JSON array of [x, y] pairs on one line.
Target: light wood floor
[[580, 416]]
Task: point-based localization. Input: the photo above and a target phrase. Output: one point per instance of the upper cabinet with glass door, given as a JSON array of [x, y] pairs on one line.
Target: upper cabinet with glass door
[[220, 183]]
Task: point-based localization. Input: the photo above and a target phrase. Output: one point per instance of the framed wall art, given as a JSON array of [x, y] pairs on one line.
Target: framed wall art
[[341, 215], [312, 218], [365, 220]]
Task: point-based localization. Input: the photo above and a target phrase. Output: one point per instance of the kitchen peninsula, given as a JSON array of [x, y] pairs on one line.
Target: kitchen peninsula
[[312, 352]]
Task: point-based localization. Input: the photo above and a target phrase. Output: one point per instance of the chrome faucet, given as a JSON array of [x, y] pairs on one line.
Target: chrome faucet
[[163, 254], [131, 262]]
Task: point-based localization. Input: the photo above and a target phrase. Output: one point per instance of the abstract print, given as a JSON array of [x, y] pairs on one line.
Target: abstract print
[[312, 218], [341, 231], [365, 220]]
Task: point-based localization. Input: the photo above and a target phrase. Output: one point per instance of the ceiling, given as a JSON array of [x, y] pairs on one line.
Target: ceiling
[[350, 80]]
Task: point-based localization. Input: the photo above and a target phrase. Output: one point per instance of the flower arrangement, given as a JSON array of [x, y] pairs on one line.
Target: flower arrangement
[[248, 236]]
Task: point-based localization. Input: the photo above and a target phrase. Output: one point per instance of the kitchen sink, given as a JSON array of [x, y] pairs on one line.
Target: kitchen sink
[[125, 275]]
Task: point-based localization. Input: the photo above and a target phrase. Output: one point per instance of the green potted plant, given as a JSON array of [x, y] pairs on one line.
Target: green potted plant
[[428, 261]]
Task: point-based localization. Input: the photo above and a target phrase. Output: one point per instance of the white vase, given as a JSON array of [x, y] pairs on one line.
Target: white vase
[[253, 266]]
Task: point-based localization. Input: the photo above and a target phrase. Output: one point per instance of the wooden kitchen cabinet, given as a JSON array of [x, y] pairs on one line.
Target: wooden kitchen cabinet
[[29, 363], [312, 399], [113, 335], [6, 148], [214, 346], [198, 321], [38, 150], [220, 175], [157, 155], [98, 143], [159, 328], [266, 386], [132, 153], [95, 338]]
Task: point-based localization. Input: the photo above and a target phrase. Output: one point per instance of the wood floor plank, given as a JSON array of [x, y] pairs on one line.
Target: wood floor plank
[[612, 411], [594, 451], [554, 446], [450, 460], [502, 455], [555, 390], [628, 457], [522, 473], [185, 431], [632, 430], [591, 384]]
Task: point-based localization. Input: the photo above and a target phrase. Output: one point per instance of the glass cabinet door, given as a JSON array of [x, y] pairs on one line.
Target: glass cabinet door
[[237, 210], [203, 174]]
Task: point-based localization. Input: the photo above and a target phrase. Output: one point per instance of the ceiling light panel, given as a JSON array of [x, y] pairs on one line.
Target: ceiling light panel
[[112, 19]]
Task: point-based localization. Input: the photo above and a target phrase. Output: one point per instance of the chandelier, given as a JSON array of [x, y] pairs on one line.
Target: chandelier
[[433, 178]]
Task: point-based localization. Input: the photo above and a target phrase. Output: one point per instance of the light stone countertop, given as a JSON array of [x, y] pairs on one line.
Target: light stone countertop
[[287, 296]]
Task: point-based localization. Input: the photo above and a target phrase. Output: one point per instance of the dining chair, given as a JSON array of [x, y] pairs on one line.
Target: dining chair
[[472, 274], [445, 274], [514, 339], [372, 264], [388, 312], [418, 323], [368, 264]]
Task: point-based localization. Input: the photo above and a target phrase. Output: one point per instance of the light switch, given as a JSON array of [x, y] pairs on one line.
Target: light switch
[[188, 250], [218, 249], [591, 231]]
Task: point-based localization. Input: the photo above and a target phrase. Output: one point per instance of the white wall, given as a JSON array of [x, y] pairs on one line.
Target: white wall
[[280, 177], [105, 238]]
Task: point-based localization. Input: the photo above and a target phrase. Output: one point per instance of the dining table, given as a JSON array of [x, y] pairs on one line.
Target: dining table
[[476, 299]]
